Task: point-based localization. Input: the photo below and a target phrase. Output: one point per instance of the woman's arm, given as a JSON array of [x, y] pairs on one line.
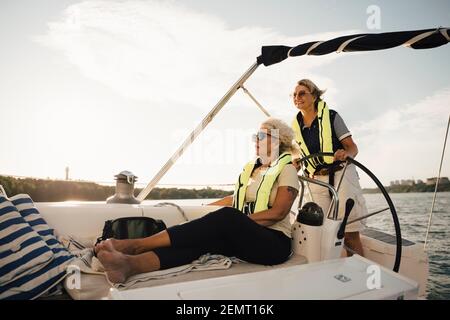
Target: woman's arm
[[350, 149], [226, 202], [281, 207]]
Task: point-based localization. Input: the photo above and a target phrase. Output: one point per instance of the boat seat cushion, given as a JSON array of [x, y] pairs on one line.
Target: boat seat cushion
[[32, 260], [96, 286], [30, 213], [21, 249]]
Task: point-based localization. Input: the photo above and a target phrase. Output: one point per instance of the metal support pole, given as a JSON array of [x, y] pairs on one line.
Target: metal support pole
[[194, 134]]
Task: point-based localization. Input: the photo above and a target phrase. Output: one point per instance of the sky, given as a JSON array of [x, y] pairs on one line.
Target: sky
[[106, 86]]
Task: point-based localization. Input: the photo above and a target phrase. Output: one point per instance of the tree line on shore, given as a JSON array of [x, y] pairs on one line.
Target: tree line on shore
[[41, 190], [414, 188]]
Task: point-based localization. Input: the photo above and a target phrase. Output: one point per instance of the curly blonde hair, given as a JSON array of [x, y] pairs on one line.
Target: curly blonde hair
[[285, 135]]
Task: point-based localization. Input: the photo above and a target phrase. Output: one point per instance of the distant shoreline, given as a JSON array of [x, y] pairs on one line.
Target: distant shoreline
[[41, 190], [410, 189]]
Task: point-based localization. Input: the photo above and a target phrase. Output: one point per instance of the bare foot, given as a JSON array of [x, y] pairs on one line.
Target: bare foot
[[116, 264], [126, 246]]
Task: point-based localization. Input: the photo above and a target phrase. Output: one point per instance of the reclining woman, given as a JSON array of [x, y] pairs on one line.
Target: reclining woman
[[253, 225]]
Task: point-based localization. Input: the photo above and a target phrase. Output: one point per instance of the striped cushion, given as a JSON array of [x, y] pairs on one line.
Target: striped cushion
[[26, 207], [22, 250], [39, 281]]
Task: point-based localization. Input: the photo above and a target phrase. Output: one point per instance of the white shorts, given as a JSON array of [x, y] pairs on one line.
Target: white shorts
[[350, 188]]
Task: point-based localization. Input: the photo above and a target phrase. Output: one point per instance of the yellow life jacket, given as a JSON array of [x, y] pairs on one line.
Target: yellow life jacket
[[265, 187], [325, 137]]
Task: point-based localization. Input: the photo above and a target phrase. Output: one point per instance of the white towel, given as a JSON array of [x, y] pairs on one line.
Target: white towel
[[203, 263], [86, 262], [89, 264]]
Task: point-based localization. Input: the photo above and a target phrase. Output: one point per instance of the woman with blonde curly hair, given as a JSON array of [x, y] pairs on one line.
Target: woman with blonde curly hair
[[253, 224]]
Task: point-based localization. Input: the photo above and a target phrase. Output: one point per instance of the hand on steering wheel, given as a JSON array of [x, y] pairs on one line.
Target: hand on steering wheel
[[341, 155]]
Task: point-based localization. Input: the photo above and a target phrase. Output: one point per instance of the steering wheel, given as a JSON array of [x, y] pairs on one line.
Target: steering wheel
[[398, 236]]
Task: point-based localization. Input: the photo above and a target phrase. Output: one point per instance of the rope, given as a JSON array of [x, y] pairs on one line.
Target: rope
[[436, 186], [315, 45], [346, 43], [170, 204], [419, 37], [255, 101], [2, 191]]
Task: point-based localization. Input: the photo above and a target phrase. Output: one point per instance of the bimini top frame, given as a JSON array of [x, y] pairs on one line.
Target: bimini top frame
[[419, 39]]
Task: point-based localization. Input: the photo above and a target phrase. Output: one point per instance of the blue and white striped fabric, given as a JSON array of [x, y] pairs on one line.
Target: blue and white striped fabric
[[39, 278], [26, 207], [22, 250]]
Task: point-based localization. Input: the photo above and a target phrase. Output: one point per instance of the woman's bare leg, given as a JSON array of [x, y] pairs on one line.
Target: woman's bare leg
[[353, 241], [159, 240], [137, 246], [119, 267]]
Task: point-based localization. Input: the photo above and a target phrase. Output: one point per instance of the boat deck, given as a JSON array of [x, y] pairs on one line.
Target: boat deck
[[97, 287], [237, 268]]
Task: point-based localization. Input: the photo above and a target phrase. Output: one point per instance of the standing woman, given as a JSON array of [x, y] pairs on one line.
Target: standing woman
[[319, 129]]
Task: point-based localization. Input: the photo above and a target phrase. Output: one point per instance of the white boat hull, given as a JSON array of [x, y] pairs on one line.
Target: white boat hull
[[319, 280]]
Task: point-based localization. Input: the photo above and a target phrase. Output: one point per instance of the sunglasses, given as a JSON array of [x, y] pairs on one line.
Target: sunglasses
[[299, 94], [261, 136]]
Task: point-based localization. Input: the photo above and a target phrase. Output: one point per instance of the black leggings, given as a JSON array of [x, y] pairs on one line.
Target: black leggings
[[226, 231]]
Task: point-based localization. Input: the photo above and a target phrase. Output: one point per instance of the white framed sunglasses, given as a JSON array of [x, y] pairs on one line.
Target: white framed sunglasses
[[261, 135]]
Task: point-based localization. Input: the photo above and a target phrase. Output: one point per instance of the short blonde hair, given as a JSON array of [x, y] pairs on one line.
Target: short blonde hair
[[313, 88], [285, 135]]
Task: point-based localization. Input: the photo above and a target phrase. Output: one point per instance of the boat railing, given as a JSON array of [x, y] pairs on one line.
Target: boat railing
[[334, 194]]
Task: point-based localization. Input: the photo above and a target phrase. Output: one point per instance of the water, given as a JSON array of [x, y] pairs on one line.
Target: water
[[413, 211]]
